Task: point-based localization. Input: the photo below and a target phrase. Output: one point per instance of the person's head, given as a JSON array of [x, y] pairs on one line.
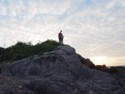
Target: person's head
[[60, 31]]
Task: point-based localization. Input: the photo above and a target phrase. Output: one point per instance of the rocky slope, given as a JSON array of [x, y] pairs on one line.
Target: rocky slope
[[61, 71]]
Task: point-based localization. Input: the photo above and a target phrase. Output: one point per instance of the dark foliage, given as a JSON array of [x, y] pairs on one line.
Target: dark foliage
[[87, 62], [22, 50], [113, 70]]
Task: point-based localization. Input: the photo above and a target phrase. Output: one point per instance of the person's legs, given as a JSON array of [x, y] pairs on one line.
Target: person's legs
[[61, 41]]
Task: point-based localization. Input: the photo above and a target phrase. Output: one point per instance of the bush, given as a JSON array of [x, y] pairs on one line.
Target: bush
[[23, 50]]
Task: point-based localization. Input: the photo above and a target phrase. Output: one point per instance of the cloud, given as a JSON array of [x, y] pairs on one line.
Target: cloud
[[109, 61], [53, 8], [93, 27], [100, 28], [3, 10]]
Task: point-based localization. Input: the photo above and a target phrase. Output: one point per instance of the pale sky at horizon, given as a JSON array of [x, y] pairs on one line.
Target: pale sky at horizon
[[95, 28]]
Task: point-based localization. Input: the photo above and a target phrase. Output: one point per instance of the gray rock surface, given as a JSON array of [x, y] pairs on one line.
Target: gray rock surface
[[57, 72]]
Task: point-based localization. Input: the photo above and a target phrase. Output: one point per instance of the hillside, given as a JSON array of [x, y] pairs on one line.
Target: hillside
[[58, 71]]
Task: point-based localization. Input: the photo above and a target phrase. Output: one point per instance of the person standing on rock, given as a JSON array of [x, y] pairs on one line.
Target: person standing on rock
[[60, 36]]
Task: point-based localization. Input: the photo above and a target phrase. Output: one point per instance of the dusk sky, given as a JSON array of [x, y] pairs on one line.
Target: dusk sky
[[95, 28]]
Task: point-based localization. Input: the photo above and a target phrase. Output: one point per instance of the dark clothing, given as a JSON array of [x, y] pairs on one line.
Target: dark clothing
[[60, 36]]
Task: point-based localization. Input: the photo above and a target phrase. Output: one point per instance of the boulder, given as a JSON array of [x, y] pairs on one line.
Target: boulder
[[60, 71]]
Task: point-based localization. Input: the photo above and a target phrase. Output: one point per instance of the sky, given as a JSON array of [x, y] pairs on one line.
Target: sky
[[95, 28]]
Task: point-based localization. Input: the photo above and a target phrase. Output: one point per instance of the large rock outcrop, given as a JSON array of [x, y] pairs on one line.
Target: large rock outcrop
[[60, 71]]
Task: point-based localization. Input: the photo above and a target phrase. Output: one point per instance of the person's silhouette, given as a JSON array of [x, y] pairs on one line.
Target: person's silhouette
[[60, 37]]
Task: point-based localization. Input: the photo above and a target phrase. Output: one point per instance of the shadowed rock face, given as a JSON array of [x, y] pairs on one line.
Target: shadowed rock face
[[60, 71]]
